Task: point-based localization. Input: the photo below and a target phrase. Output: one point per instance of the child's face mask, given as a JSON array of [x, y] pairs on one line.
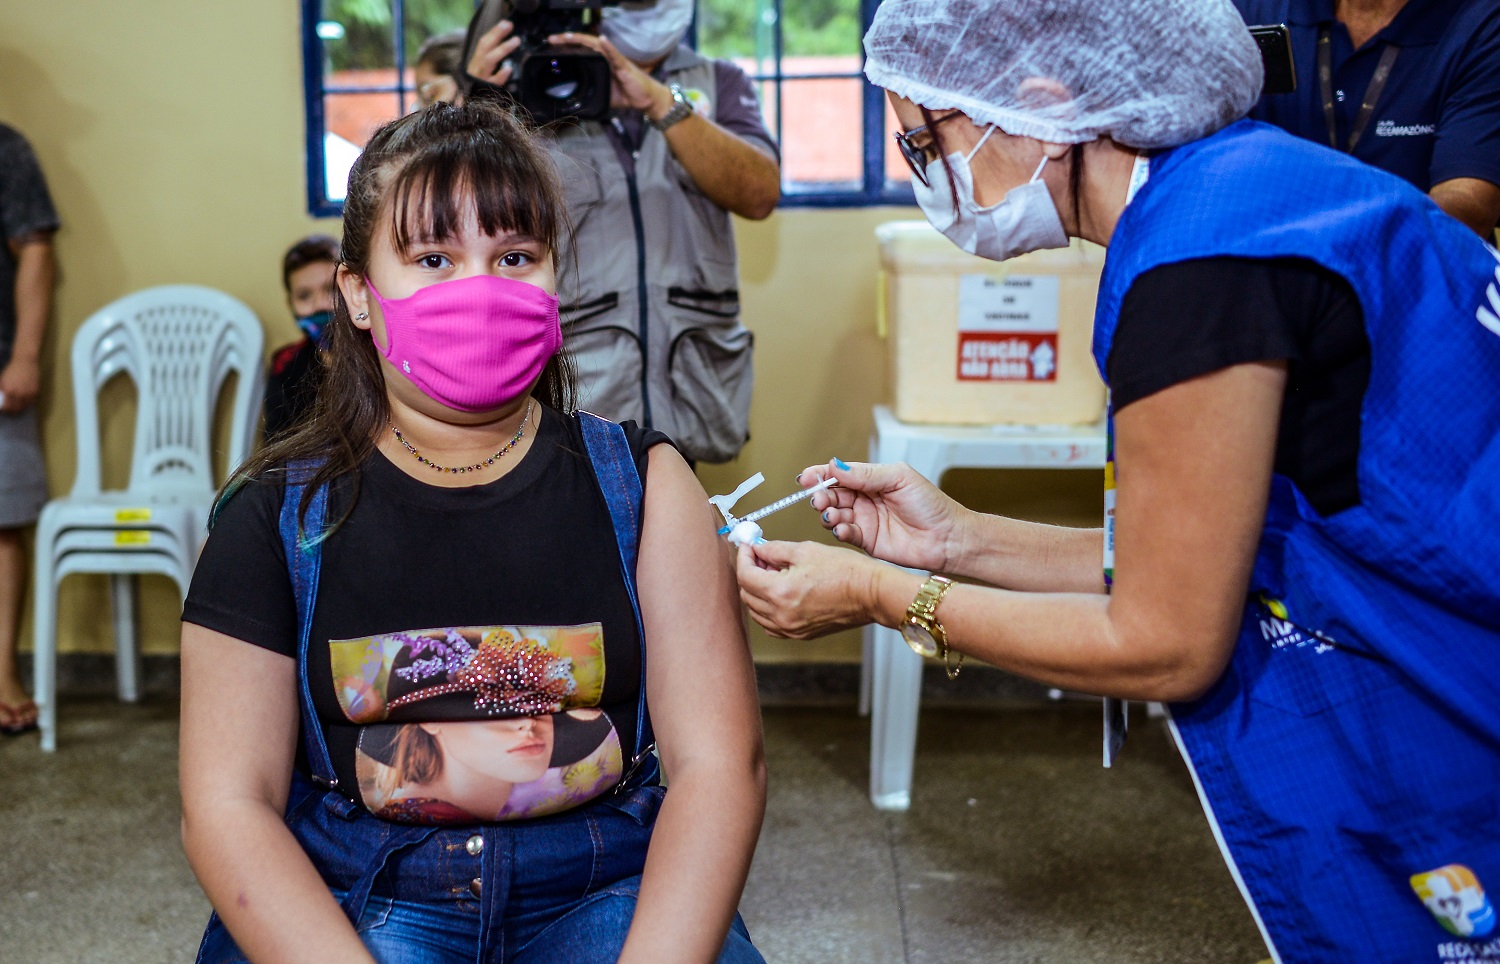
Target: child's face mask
[[473, 344]]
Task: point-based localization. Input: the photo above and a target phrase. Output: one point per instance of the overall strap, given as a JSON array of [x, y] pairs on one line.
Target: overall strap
[[614, 468], [303, 546]]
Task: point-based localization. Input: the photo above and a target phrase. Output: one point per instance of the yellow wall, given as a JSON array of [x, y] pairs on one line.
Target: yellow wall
[[170, 132], [171, 135]]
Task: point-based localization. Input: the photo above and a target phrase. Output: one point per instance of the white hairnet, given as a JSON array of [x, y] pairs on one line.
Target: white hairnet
[[1147, 73]]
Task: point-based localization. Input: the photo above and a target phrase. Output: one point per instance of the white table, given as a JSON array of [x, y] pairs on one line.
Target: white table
[[891, 677]]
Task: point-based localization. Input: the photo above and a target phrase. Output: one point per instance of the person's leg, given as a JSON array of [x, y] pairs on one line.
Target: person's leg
[[737, 947], [403, 932], [593, 931], [596, 931], [394, 932], [21, 713]]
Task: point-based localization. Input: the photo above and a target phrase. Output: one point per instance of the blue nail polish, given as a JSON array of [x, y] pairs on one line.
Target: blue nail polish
[[841, 464], [799, 477], [825, 517]]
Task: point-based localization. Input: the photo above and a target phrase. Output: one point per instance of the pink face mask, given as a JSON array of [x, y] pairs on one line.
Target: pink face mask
[[473, 344]]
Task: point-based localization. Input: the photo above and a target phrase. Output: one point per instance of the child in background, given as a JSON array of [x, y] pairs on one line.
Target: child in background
[[307, 271]]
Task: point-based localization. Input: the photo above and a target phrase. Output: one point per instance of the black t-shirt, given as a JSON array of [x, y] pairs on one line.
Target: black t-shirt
[[1191, 318], [465, 641], [291, 385]]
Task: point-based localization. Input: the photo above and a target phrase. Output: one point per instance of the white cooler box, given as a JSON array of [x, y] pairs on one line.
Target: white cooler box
[[981, 342]]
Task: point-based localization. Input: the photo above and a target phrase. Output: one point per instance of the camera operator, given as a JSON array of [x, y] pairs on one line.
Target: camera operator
[[656, 337]]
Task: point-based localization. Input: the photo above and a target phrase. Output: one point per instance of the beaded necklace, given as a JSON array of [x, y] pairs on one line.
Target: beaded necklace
[[477, 465]]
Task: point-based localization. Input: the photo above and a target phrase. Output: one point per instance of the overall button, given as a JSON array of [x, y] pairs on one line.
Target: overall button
[[474, 845], [476, 886]]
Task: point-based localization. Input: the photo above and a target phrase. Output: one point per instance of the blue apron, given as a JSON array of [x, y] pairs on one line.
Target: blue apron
[[1349, 757]]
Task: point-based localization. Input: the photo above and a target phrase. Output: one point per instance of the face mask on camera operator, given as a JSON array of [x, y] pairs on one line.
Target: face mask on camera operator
[[645, 32]]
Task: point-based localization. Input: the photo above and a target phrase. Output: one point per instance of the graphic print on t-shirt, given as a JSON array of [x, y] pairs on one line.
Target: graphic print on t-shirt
[[502, 769], [468, 672], [478, 723]]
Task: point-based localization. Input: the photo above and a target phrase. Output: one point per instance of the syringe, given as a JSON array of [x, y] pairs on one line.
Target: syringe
[[779, 504], [792, 499]]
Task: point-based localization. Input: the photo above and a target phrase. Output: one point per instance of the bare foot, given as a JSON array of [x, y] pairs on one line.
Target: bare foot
[[12, 693], [17, 717], [17, 712]]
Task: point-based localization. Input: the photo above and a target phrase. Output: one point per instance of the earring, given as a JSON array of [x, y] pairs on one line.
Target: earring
[[362, 316]]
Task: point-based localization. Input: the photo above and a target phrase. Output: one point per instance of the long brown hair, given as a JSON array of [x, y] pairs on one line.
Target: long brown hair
[[418, 175]]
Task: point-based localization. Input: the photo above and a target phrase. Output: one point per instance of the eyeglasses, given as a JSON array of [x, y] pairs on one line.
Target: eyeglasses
[[916, 155]]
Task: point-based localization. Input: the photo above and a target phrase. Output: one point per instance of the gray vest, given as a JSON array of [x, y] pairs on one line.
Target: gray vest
[[649, 284]]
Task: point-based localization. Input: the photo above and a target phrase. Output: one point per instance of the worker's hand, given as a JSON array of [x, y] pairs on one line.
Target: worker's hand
[[491, 59], [890, 512], [20, 383], [633, 88], [803, 590]]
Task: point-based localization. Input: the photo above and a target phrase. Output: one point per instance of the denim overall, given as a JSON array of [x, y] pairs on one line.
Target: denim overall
[[1349, 757], [553, 889]]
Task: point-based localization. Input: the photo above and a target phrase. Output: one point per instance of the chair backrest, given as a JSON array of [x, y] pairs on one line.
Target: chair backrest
[[178, 343]]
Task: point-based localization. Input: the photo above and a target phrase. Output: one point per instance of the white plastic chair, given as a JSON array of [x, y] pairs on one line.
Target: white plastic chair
[[178, 343]]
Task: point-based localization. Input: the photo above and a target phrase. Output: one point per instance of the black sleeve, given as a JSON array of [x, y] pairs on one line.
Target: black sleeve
[[1188, 319], [241, 587], [25, 206], [1191, 318], [641, 442]]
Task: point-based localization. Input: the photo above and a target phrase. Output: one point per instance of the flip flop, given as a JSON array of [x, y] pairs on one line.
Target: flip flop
[[15, 724]]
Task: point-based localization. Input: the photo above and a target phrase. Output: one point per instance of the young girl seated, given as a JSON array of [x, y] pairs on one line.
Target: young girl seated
[[437, 631]]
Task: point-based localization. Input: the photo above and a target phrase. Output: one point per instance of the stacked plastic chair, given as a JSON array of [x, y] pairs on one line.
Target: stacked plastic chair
[[179, 344]]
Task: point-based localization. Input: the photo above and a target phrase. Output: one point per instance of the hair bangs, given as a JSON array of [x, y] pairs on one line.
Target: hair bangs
[[436, 190]]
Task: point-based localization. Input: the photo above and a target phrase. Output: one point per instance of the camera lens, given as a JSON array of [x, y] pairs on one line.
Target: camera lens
[[565, 82], [559, 79]]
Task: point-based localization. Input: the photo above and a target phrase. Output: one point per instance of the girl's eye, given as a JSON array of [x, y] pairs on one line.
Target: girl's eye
[[434, 261], [515, 259]]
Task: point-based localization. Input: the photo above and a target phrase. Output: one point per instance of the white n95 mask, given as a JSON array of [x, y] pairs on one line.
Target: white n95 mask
[[1025, 220], [646, 31]]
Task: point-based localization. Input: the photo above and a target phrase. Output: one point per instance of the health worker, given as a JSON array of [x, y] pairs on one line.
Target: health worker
[[1300, 546]]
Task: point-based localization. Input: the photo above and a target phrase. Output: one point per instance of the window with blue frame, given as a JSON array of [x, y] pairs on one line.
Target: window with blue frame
[[805, 57]]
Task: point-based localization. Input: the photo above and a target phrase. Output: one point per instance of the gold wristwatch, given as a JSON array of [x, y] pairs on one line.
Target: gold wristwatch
[[921, 628]]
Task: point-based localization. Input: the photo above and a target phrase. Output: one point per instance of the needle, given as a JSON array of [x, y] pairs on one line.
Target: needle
[[782, 503]]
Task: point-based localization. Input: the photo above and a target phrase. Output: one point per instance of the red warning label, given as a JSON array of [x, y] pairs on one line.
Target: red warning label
[[994, 356]]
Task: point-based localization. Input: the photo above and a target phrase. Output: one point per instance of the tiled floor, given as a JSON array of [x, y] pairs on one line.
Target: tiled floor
[[1018, 846]]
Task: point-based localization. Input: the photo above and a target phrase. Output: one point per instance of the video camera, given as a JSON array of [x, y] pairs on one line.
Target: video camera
[[550, 82]]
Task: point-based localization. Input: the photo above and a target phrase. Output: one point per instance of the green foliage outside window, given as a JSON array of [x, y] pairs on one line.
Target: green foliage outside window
[[726, 28], [745, 28], [366, 41]]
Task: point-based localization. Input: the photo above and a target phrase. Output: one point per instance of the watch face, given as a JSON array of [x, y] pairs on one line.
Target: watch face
[[919, 639]]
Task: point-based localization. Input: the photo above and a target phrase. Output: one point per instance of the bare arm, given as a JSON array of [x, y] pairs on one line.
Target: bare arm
[[1195, 465], [238, 744], [1471, 200], [1030, 556], [895, 514], [701, 688], [733, 173], [21, 378]]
